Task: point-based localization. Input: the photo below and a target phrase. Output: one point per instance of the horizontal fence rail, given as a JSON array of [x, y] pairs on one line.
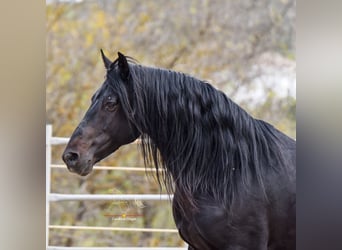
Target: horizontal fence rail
[[114, 248], [110, 168], [64, 140], [127, 229], [108, 197], [56, 197]]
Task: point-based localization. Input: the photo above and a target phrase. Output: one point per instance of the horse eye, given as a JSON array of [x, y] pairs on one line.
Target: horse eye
[[110, 106]]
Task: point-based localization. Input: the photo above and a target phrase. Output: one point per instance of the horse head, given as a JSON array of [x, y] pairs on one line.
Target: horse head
[[105, 126]]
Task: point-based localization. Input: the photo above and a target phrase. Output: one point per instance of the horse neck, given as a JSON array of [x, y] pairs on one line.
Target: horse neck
[[185, 117], [199, 135]]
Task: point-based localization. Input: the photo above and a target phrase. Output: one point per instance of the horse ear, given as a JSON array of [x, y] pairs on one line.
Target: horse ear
[[123, 66], [106, 61]]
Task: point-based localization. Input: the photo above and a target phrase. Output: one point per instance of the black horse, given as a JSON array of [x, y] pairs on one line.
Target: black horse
[[233, 176]]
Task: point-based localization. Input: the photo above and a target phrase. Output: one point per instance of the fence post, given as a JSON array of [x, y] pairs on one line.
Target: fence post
[[48, 180]]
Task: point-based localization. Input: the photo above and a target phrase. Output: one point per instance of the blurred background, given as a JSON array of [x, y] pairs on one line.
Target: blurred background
[[245, 48]]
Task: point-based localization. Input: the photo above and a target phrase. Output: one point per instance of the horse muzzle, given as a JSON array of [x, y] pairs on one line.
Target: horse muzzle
[[75, 164]]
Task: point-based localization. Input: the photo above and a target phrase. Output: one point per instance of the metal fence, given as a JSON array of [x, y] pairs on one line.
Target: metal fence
[[54, 197]]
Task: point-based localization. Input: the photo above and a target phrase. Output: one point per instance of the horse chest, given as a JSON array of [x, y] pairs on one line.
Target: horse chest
[[245, 227]]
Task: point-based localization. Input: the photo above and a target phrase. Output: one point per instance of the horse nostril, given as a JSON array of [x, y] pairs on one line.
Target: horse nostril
[[70, 158]]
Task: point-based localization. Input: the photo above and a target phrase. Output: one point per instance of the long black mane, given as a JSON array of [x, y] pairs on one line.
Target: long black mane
[[202, 142]]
